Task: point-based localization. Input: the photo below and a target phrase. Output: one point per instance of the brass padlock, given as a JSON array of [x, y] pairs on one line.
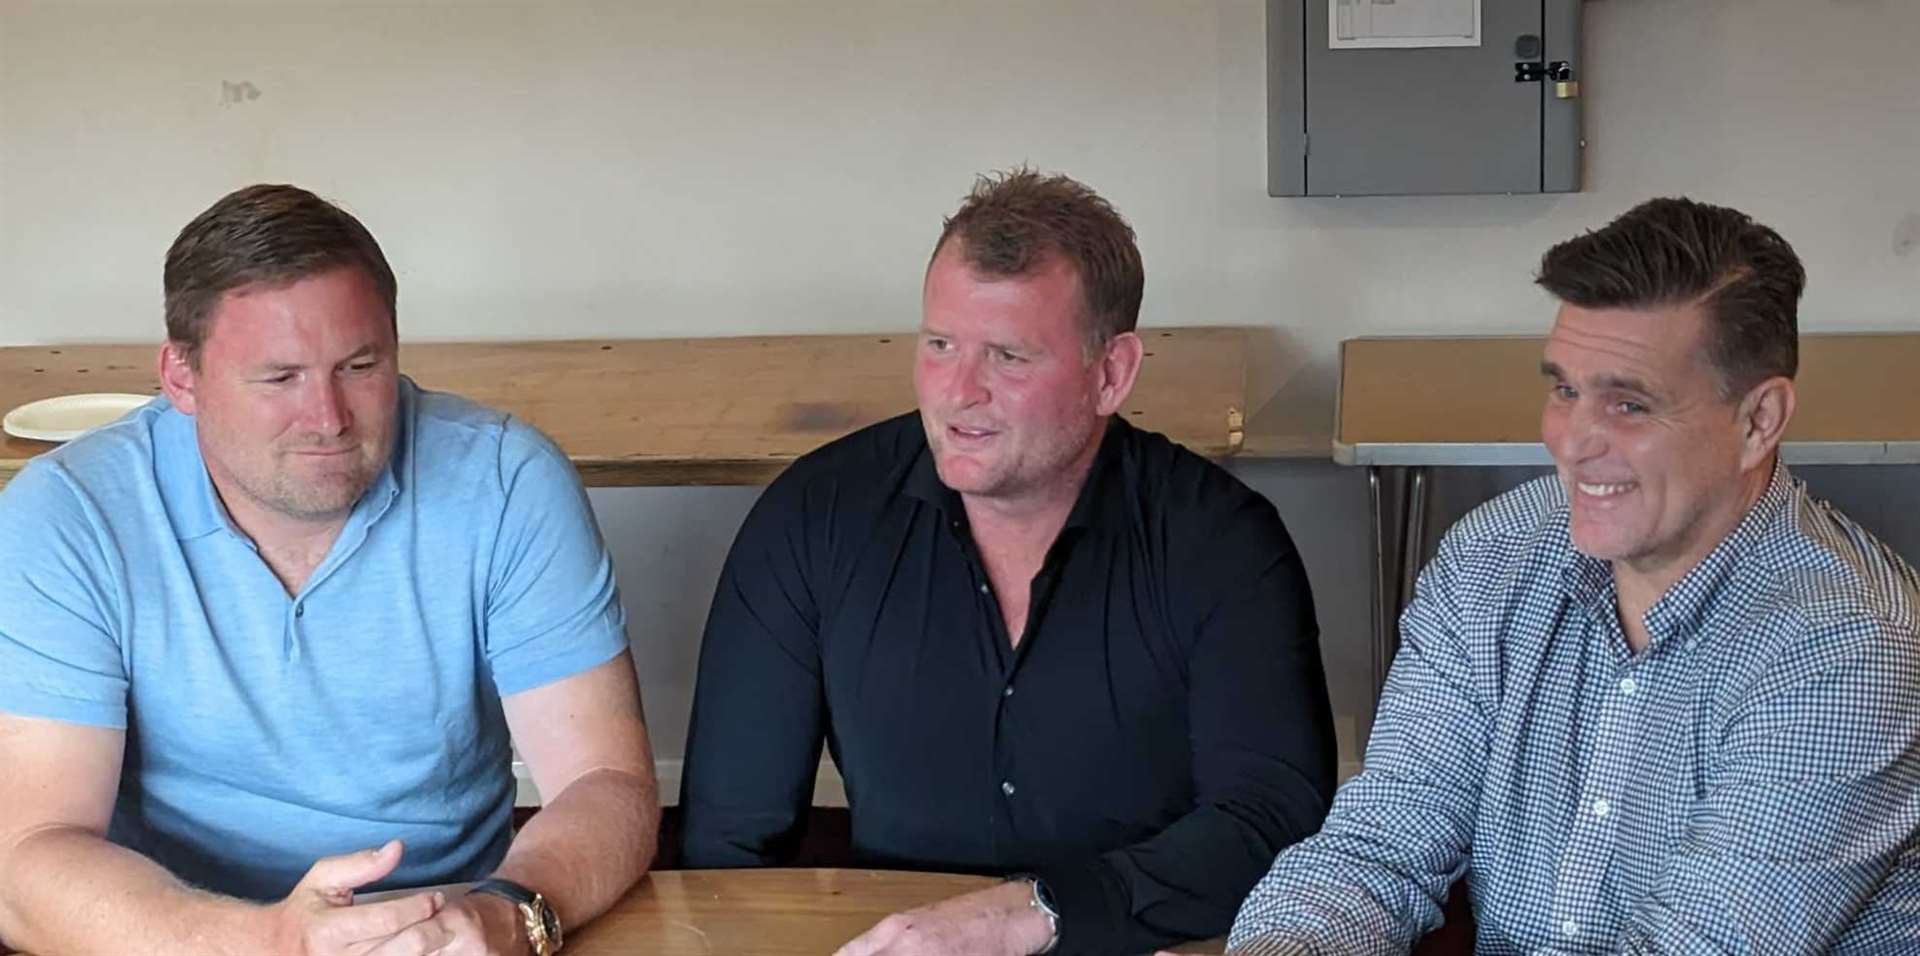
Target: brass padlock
[[1566, 89]]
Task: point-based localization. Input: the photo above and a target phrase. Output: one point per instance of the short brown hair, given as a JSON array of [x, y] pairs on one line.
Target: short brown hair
[[1674, 252], [1013, 221], [262, 235]]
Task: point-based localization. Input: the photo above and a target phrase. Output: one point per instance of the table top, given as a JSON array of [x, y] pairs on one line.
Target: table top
[[1477, 401], [764, 912], [718, 411]]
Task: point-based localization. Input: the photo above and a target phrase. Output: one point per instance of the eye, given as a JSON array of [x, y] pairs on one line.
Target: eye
[[1564, 392], [1630, 408], [359, 367], [280, 379], [1008, 356], [937, 344]]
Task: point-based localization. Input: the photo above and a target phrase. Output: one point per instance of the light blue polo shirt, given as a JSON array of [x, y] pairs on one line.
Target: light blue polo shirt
[[266, 731]]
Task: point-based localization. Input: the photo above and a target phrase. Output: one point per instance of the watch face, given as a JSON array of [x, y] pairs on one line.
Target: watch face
[[1045, 896]]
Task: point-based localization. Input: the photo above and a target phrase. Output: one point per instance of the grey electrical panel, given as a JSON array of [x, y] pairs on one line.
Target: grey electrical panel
[[1357, 107]]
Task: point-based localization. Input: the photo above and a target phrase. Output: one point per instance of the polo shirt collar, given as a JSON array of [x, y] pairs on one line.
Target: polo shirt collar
[[194, 505]]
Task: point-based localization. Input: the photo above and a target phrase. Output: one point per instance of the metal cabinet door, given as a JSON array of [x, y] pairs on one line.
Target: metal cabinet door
[[1412, 121]]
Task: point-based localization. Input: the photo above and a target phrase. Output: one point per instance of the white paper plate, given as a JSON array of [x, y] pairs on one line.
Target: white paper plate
[[69, 416]]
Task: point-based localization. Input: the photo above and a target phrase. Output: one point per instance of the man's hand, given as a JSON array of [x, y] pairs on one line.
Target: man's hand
[[319, 919], [999, 921]]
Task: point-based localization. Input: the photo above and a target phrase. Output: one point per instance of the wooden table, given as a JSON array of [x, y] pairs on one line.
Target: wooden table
[[764, 912], [722, 411], [1406, 404]]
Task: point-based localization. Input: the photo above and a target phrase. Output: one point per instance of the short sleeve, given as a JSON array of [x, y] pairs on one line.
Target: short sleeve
[[553, 609], [60, 652]]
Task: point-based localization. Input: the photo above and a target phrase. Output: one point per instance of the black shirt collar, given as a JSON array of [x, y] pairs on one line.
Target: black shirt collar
[[924, 482]]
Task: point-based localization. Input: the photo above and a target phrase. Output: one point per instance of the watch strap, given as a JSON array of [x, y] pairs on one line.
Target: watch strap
[[504, 888], [541, 923]]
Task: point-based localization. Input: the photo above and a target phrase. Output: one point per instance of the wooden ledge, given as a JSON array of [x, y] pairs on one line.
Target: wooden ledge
[[716, 411]]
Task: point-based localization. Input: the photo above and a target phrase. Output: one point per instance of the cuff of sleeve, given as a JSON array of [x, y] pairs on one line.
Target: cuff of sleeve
[[520, 670], [27, 702], [1094, 915]]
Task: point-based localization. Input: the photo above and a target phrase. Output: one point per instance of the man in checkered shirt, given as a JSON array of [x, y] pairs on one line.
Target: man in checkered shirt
[[1662, 702]]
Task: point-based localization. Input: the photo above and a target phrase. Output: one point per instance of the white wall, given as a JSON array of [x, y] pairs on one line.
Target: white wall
[[719, 167]]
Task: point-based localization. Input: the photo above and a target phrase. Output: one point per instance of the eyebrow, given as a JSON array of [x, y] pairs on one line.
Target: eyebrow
[[1625, 383], [1615, 383], [365, 351]]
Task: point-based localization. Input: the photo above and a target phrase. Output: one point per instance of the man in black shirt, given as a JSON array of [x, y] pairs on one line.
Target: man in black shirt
[[1038, 641]]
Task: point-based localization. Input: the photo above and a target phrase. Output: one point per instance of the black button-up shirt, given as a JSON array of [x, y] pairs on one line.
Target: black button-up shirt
[[1160, 733]]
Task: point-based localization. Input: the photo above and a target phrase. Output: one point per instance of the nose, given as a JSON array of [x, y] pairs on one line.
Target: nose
[[325, 408], [968, 385], [1573, 433]]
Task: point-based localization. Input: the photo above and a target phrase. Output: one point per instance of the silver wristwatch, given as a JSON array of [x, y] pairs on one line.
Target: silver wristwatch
[[1042, 900]]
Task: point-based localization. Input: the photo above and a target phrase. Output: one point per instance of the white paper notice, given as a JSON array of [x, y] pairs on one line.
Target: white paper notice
[[1360, 24]]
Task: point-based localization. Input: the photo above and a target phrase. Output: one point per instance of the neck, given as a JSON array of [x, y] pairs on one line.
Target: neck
[[1641, 584]]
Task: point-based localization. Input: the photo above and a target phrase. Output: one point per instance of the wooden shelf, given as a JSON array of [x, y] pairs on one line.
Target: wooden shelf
[[1477, 401], [718, 411]]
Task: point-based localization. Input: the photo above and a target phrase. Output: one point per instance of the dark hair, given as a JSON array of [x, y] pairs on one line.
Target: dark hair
[[264, 234], [1673, 252], [1013, 221]]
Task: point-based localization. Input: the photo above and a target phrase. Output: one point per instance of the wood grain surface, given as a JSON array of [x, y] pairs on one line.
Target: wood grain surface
[[720, 411]]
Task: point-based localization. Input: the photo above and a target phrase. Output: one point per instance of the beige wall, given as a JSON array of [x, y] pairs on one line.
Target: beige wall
[[720, 167]]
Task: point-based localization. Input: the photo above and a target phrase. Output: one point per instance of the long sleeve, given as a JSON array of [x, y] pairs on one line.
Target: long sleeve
[[754, 742], [1263, 760], [1374, 878], [1814, 805]]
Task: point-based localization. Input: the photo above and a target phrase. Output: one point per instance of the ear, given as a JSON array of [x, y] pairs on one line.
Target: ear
[[1118, 365], [1764, 414], [178, 378]]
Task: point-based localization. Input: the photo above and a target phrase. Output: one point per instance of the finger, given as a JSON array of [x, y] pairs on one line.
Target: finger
[[858, 946], [420, 939], [868, 943], [372, 922], [338, 876]]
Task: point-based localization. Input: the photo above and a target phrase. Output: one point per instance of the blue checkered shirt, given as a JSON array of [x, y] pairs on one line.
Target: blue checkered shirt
[[1750, 783]]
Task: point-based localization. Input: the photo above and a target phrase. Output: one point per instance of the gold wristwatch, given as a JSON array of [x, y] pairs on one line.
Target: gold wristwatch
[[543, 927]]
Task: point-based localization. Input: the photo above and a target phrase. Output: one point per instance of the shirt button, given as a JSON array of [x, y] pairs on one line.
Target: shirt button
[[1601, 808], [985, 590], [299, 610], [1008, 692], [1006, 787], [1570, 928], [1628, 686]]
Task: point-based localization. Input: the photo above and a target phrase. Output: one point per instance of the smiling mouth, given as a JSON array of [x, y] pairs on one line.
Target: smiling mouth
[[970, 434], [1595, 490]]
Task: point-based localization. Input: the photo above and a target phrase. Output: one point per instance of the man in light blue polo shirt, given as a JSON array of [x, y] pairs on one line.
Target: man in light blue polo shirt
[[262, 641]]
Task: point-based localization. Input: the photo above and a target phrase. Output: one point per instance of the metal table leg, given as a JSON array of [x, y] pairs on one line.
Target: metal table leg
[[1399, 499]]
